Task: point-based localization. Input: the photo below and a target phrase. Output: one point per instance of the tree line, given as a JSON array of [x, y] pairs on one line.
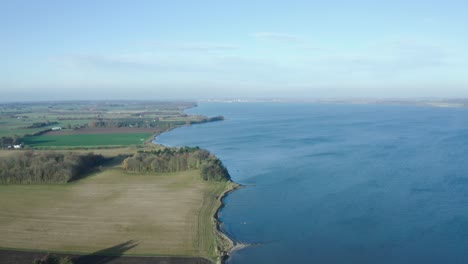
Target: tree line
[[130, 122], [206, 119], [149, 123], [28, 167], [8, 141], [178, 159], [42, 124]]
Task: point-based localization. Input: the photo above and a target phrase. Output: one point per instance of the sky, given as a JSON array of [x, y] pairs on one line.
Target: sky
[[68, 50]]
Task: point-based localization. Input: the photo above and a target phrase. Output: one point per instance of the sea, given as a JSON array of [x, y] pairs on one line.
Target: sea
[[338, 183]]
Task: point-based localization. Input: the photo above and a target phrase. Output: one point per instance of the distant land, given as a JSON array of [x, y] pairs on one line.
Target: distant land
[[458, 102]]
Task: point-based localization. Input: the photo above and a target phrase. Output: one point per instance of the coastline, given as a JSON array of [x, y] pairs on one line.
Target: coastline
[[220, 244], [225, 244]]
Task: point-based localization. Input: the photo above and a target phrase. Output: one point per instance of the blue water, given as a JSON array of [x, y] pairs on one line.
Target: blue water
[[341, 183]]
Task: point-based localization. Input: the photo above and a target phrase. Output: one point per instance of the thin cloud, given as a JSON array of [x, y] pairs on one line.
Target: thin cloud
[[276, 36], [195, 46], [294, 41], [391, 62], [131, 61], [99, 61], [155, 62]]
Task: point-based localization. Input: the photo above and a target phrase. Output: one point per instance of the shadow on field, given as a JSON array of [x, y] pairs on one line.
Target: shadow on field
[[106, 255], [112, 255], [104, 163], [114, 161], [37, 142]]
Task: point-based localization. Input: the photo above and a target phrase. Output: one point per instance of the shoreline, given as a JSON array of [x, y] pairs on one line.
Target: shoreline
[[226, 245]]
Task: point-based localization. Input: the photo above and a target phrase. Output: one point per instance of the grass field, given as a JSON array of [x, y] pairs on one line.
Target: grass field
[[19, 118], [112, 139], [165, 214], [107, 152]]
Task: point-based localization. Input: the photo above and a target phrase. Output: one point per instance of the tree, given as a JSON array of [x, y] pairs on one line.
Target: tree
[[46, 167], [174, 160]]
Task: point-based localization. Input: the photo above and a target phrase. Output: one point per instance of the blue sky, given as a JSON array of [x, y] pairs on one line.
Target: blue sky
[[232, 49]]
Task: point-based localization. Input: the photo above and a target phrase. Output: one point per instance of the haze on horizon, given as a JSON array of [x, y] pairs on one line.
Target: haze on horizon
[[63, 50]]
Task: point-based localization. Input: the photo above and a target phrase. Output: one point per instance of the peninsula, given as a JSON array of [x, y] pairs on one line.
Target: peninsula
[[84, 181]]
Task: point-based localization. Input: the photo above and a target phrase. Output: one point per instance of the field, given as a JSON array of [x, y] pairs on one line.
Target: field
[[107, 152], [20, 120], [159, 214], [74, 140], [111, 211]]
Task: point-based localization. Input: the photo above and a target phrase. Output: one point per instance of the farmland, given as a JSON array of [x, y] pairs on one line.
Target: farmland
[[163, 214], [150, 213], [87, 140], [159, 212], [34, 124]]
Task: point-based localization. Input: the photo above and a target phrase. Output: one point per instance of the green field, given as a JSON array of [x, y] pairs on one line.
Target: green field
[[163, 214], [19, 118], [87, 140]]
